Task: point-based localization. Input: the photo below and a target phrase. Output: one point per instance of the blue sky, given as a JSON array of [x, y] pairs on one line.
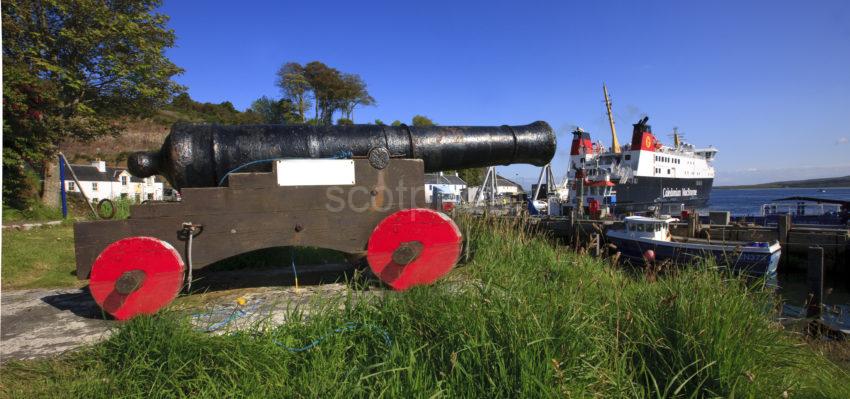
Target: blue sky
[[766, 82]]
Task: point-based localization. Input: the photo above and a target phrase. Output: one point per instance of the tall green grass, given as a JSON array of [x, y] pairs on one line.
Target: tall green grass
[[524, 318]]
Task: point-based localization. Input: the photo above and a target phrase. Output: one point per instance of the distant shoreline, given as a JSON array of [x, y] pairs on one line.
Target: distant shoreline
[[760, 187], [824, 183]]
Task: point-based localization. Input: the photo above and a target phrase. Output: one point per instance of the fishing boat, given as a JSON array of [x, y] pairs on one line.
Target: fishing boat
[[640, 234]]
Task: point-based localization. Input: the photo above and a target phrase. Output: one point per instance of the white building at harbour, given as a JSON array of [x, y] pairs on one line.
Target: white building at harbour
[[98, 181]]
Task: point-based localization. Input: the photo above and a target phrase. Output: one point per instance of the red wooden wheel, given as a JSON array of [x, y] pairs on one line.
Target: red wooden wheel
[[136, 275], [413, 247]]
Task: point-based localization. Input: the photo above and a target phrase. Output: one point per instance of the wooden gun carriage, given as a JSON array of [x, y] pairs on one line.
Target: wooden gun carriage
[[357, 189]]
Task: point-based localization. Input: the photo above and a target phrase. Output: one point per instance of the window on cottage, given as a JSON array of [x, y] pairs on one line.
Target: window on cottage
[[94, 186], [123, 180], [150, 196], [70, 186]]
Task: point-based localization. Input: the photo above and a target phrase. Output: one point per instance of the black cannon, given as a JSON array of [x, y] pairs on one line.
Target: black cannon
[[201, 155], [354, 189]]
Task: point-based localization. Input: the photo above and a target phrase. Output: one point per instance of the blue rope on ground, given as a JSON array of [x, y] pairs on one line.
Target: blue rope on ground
[[294, 272], [234, 315], [350, 326], [240, 313]]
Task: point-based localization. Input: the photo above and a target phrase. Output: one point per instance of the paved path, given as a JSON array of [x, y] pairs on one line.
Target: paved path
[[27, 226], [47, 322], [37, 323]]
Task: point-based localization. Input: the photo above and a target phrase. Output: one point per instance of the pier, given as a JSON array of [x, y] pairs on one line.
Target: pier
[[795, 239]]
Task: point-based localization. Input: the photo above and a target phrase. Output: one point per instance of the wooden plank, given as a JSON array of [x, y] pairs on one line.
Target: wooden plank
[[814, 278], [238, 220]]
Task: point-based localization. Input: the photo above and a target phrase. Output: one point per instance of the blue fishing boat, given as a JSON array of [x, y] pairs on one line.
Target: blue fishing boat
[[640, 233]]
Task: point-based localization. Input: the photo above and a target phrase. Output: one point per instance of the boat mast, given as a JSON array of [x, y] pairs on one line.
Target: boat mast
[[676, 137], [615, 145]]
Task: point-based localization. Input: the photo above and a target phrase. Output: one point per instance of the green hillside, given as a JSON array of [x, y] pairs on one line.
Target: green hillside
[[843, 181]]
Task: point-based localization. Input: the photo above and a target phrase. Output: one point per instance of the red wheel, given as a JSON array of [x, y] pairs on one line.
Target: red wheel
[[413, 247], [136, 275]]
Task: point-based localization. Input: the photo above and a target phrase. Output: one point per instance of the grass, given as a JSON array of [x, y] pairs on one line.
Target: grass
[[43, 257], [523, 319], [35, 212], [39, 258]]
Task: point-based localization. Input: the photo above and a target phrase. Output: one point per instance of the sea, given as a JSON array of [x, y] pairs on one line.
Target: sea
[[748, 202]]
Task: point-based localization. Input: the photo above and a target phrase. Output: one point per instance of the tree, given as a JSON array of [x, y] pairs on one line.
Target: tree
[[352, 93], [326, 83], [331, 90], [472, 177], [379, 122], [276, 111], [419, 121], [344, 122], [294, 86], [396, 123], [224, 113], [71, 69]]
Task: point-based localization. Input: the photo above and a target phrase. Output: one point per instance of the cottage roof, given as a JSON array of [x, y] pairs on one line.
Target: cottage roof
[[90, 173]]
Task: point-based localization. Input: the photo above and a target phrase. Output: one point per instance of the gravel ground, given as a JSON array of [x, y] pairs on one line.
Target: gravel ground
[[46, 322]]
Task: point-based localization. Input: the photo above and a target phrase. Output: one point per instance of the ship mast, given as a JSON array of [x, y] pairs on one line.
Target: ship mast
[[676, 137], [615, 144]]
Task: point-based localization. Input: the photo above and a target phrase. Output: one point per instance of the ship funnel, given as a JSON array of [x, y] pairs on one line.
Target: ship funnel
[[642, 137], [581, 142]]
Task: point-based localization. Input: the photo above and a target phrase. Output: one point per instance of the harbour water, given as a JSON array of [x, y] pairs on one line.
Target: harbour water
[[793, 286], [748, 202]]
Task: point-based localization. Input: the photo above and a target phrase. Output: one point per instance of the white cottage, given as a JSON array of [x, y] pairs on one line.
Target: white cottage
[[99, 182]]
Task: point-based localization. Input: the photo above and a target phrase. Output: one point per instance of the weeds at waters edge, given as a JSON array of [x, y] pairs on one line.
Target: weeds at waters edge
[[523, 319]]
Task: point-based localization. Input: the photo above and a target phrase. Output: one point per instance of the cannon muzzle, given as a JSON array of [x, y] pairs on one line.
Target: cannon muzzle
[[201, 155]]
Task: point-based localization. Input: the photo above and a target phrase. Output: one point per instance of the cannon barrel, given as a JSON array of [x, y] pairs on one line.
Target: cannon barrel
[[201, 155]]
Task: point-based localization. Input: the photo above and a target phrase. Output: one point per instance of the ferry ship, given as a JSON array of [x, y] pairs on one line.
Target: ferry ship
[[644, 175]]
